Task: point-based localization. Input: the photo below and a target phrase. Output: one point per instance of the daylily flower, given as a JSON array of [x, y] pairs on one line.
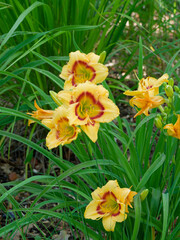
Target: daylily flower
[[109, 204], [82, 68], [148, 84], [62, 132], [40, 113], [145, 103], [174, 130], [88, 106]]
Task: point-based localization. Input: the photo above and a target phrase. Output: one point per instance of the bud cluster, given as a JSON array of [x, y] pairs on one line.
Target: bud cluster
[[171, 91]]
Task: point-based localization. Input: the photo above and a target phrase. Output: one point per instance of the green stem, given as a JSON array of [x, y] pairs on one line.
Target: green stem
[[87, 147], [161, 109], [177, 156]]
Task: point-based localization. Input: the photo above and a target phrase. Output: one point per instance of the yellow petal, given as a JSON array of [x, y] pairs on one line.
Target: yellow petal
[[65, 73], [134, 93], [110, 186], [177, 127], [51, 140], [122, 216], [122, 194], [101, 72], [48, 123], [40, 114], [97, 194], [91, 88], [77, 56], [91, 130], [65, 97], [91, 211], [162, 79], [93, 57], [109, 223], [110, 112], [174, 130]]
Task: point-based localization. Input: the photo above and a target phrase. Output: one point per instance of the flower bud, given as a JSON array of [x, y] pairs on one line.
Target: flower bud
[[164, 84], [144, 194], [55, 98], [171, 82], [176, 88], [159, 116], [158, 122], [102, 57], [169, 91]]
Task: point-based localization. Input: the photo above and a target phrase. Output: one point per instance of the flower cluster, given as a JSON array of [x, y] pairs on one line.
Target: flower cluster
[[146, 97], [84, 105], [110, 203]]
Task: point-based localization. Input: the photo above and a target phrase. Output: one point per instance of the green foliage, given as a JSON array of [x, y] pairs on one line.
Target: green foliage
[[36, 39]]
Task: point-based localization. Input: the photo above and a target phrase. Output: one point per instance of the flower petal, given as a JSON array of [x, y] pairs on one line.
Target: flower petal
[[101, 72], [91, 211], [162, 79], [110, 186], [65, 97], [48, 123], [170, 129], [110, 112], [134, 93], [91, 129], [40, 114], [94, 58], [109, 223]]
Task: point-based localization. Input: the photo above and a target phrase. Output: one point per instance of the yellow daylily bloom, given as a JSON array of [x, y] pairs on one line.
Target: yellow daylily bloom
[[108, 204], [62, 132], [148, 84], [146, 102], [40, 114], [88, 106], [174, 130], [82, 68]]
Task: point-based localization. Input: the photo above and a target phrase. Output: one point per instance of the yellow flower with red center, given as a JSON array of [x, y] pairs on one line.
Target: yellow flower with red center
[[88, 106], [61, 131], [150, 85], [146, 102], [82, 68], [40, 113], [109, 204], [174, 130]]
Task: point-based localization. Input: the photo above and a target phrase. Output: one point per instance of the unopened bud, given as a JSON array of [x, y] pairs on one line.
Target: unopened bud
[[158, 122], [144, 194], [102, 57], [55, 98], [164, 84], [169, 91], [159, 116], [171, 82], [176, 88]]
